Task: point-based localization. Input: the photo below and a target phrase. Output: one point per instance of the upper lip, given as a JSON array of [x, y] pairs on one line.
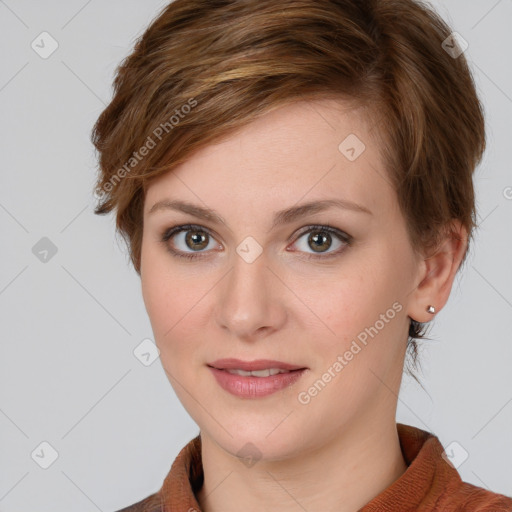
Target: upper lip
[[258, 364]]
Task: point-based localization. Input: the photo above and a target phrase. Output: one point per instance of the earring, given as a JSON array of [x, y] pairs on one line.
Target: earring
[[431, 309]]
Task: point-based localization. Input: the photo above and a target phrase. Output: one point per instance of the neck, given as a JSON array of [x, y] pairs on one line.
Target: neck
[[343, 475]]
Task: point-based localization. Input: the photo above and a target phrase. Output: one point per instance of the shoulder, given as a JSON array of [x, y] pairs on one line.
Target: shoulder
[[152, 503], [470, 498]]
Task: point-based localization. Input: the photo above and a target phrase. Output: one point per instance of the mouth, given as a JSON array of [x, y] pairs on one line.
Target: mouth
[[245, 368], [257, 373], [254, 379]]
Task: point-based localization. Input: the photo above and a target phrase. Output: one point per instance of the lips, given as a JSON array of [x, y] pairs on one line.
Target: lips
[[249, 366], [251, 384]]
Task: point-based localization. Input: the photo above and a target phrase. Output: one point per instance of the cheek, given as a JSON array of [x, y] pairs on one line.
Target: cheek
[[339, 298], [159, 289], [160, 297], [173, 304], [359, 302], [169, 305]]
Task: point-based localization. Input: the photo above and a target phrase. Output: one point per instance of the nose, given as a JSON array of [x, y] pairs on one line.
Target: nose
[[251, 299]]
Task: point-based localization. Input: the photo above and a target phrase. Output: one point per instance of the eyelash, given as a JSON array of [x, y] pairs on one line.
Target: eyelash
[[326, 228]]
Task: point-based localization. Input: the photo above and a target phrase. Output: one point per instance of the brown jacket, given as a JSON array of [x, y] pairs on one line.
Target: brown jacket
[[430, 484]]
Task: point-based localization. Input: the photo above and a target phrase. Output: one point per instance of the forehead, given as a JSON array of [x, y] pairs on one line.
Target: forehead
[[308, 150]]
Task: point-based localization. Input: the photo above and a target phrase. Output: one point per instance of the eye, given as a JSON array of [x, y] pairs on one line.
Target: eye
[[190, 237], [320, 239]]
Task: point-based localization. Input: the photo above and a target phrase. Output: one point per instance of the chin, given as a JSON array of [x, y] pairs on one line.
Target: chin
[[259, 440]]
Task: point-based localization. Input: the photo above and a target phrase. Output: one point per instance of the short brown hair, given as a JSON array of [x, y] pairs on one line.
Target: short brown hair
[[205, 68]]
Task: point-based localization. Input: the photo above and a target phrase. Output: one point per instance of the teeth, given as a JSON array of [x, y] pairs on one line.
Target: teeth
[[258, 373]]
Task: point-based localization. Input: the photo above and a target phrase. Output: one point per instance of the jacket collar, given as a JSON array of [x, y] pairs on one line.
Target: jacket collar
[[429, 483]]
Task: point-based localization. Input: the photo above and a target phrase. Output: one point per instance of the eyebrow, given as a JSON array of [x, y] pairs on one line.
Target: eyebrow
[[282, 217]]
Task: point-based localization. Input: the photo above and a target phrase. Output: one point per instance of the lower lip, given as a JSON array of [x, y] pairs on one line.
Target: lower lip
[[255, 387]]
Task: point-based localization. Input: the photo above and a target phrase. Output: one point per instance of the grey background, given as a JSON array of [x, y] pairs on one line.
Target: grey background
[[69, 326]]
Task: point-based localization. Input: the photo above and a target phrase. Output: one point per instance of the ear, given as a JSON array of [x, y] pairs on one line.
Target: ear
[[436, 273]]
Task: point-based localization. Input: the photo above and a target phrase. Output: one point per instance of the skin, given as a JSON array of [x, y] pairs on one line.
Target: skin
[[341, 449]]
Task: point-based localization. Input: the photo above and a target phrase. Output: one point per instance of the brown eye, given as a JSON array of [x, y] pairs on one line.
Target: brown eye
[[321, 239], [187, 241], [196, 239]]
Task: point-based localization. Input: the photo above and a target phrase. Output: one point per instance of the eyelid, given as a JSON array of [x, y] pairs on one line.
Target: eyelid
[[179, 228], [345, 237]]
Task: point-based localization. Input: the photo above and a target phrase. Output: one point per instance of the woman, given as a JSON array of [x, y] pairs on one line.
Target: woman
[[294, 181]]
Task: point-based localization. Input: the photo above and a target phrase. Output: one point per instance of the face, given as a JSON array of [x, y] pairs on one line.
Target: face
[[328, 291]]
